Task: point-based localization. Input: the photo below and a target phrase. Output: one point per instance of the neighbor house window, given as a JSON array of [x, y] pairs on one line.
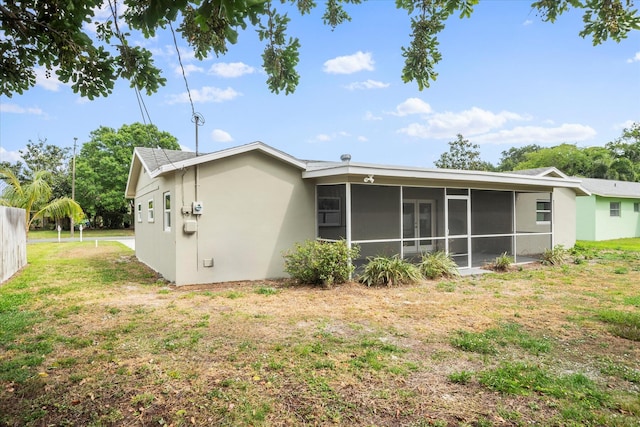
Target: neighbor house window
[[150, 217], [139, 212], [167, 211], [329, 213], [543, 211], [614, 209], [636, 207]]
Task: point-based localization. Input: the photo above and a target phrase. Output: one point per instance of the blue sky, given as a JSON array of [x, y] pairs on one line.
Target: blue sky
[[506, 79]]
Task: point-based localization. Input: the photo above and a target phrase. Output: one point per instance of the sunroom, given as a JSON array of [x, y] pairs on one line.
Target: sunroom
[[472, 216]]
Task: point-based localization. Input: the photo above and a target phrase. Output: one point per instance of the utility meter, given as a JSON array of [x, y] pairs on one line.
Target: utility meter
[[197, 208]]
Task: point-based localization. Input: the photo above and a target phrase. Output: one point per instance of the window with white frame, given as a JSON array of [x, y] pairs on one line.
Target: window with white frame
[[636, 207], [614, 209], [167, 211], [543, 211], [139, 212], [329, 211], [150, 217]]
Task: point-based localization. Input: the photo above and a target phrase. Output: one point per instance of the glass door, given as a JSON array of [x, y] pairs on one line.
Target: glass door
[[417, 224]]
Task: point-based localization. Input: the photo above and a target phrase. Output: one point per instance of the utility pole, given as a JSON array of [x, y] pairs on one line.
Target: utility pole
[[73, 182]]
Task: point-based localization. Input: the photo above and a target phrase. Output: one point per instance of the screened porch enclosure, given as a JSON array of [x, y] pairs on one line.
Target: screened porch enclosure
[[474, 226]]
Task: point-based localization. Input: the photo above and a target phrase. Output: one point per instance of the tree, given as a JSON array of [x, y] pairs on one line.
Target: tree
[[568, 158], [512, 157], [462, 155], [102, 168], [34, 196], [48, 157], [52, 34]]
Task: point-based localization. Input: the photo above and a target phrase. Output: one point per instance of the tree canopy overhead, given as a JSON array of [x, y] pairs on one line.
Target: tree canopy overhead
[[53, 34]]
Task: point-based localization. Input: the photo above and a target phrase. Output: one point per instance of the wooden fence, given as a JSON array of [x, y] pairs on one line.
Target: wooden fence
[[13, 241]]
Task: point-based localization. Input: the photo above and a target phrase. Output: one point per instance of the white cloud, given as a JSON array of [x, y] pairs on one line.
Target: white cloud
[[16, 109], [412, 106], [231, 69], [567, 132], [9, 156], [368, 84], [349, 64], [635, 58], [206, 94], [362, 138], [47, 80], [188, 69], [474, 121], [185, 148], [369, 116], [527, 22], [218, 135], [323, 137]]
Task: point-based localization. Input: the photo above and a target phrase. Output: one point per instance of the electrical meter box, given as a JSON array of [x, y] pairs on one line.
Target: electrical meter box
[[197, 208]]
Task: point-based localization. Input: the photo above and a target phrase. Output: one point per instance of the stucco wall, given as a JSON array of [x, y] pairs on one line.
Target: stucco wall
[[608, 227], [13, 239], [564, 217], [154, 246], [254, 208], [586, 217]]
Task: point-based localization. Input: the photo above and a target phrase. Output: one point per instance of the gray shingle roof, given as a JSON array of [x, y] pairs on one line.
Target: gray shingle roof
[[608, 187], [153, 158]]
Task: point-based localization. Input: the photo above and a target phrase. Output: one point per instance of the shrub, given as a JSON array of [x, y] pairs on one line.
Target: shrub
[[502, 262], [555, 256], [320, 263], [389, 271], [438, 264]]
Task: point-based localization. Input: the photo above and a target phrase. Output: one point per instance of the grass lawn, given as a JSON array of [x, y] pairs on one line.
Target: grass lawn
[[89, 336]]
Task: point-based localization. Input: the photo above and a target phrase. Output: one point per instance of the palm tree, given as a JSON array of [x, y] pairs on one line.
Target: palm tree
[[35, 198]]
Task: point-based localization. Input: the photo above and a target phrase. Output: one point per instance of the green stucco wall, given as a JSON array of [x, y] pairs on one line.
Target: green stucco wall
[[594, 221]]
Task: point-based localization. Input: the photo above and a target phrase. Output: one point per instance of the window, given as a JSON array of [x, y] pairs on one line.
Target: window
[[329, 213], [636, 207], [150, 211], [139, 212], [167, 211], [543, 211], [614, 209]]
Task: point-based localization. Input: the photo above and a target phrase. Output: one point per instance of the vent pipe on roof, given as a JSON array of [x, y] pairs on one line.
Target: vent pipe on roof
[[345, 157]]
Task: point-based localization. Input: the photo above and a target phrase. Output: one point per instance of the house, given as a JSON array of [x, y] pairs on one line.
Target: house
[[229, 215], [612, 211]]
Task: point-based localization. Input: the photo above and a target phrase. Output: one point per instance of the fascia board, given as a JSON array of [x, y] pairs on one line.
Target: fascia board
[[447, 175], [136, 165]]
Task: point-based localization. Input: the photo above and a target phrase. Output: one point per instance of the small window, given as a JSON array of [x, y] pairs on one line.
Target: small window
[[543, 211], [150, 216], [636, 207], [139, 212], [167, 211], [614, 209], [329, 213]]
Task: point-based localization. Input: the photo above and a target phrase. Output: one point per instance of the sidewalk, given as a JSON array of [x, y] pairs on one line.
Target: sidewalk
[[128, 241]]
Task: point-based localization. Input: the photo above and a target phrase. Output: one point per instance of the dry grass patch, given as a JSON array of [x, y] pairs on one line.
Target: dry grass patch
[[97, 339]]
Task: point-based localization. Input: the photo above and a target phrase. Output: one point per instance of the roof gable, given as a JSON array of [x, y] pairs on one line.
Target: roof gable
[[158, 161]]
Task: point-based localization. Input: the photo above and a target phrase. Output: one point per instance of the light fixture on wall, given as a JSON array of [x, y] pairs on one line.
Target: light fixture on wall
[[369, 179]]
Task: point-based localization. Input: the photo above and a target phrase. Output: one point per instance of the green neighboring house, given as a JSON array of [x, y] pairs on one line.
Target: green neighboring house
[[612, 211]]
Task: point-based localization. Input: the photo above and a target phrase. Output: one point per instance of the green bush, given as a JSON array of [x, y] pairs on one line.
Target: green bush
[[438, 264], [320, 263], [389, 271], [502, 262], [556, 256]]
